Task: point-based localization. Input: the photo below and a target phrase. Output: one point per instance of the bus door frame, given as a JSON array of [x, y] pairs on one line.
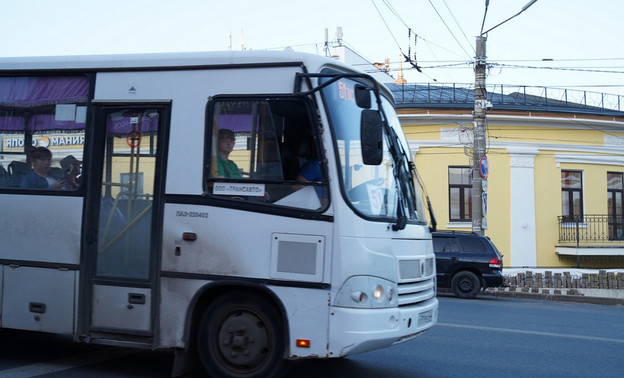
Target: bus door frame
[[139, 291]]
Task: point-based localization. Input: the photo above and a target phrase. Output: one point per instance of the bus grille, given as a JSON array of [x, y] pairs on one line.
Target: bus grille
[[411, 269], [417, 282], [416, 292]]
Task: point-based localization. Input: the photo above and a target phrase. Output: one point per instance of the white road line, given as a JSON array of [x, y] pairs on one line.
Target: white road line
[[67, 363], [580, 337]]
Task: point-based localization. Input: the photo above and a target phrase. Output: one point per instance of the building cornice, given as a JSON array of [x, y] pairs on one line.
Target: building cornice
[[607, 152], [571, 121]]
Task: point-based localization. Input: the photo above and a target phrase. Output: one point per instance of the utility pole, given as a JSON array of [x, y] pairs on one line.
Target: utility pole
[[479, 160], [480, 165]]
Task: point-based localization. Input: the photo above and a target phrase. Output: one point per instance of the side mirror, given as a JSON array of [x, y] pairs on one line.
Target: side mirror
[[371, 135], [362, 96]]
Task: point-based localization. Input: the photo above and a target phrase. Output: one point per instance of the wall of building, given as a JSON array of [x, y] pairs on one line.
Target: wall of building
[[527, 153]]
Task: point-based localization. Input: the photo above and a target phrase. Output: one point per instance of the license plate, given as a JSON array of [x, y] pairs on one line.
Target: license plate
[[425, 317]]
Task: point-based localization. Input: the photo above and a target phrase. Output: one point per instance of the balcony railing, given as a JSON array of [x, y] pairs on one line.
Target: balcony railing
[[590, 229]]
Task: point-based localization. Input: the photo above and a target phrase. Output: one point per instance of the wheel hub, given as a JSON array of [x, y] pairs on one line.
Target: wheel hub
[[244, 340]]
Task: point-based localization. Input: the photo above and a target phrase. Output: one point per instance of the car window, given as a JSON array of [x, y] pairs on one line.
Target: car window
[[472, 244], [444, 245]]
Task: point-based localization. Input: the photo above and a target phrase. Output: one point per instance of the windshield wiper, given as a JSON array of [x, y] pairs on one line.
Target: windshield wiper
[[400, 159]]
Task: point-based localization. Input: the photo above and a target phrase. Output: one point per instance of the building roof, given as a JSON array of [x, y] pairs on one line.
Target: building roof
[[460, 96]]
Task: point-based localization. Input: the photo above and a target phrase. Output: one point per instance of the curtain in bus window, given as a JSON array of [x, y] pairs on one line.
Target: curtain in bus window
[[47, 112], [42, 103]]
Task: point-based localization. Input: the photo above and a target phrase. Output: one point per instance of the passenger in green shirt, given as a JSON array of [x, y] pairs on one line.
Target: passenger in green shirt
[[225, 167]]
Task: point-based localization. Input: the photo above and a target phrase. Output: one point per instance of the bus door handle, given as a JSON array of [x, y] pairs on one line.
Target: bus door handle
[[136, 298]]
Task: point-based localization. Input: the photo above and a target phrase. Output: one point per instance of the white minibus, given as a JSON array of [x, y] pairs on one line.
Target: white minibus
[[246, 208]]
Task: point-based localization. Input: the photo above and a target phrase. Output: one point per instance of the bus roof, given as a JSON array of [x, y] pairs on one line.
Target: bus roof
[[172, 61], [165, 60]]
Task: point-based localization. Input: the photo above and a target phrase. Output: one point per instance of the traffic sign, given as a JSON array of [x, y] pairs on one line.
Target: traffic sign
[[484, 204], [484, 167]]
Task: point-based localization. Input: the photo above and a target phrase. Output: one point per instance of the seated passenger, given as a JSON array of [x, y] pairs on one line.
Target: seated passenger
[[225, 144], [71, 167], [39, 178], [311, 171]]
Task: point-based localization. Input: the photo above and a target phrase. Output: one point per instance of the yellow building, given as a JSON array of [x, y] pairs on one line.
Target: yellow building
[[556, 165]]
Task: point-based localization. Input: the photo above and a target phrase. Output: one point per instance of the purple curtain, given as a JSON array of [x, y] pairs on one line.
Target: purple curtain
[[24, 96]]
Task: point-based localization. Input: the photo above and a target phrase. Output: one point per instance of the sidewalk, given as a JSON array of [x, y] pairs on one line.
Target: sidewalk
[[612, 297]]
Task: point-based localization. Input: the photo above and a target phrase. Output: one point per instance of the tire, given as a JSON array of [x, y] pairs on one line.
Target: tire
[[241, 335], [466, 285]]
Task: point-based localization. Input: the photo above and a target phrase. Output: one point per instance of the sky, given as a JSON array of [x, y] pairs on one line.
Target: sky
[[570, 44]]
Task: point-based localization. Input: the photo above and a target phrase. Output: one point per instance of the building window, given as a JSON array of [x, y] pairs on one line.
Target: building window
[[572, 195], [460, 194], [615, 192]]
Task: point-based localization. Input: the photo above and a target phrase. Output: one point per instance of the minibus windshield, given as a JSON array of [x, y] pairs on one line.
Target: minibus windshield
[[386, 190]]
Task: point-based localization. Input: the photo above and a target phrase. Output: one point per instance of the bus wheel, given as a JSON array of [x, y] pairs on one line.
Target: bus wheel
[[466, 285], [240, 336]]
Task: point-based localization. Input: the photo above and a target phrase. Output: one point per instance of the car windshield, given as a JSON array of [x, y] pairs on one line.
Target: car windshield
[[385, 190]]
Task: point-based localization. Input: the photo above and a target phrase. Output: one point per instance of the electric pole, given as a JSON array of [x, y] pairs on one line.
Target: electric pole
[[480, 165], [479, 160]]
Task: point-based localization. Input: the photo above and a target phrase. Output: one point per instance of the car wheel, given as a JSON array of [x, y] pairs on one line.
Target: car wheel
[[241, 336], [466, 285]]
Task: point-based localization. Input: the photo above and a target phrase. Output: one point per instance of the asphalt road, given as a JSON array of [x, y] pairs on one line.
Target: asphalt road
[[488, 336]]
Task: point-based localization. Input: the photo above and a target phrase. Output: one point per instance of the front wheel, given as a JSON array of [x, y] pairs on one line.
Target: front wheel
[[240, 335], [466, 285]]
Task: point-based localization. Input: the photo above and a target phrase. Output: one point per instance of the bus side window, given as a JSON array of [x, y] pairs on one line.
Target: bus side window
[[51, 117]]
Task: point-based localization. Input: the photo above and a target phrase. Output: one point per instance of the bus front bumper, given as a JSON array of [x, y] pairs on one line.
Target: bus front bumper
[[357, 330]]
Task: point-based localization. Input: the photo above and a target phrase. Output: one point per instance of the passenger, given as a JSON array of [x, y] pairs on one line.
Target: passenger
[[311, 171], [71, 167], [225, 144], [226, 168], [39, 177]]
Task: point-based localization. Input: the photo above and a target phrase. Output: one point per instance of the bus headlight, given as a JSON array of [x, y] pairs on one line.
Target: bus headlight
[[378, 293], [367, 292]]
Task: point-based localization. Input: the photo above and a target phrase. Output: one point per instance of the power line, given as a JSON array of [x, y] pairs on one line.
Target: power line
[[554, 68], [387, 26], [458, 25], [449, 29]]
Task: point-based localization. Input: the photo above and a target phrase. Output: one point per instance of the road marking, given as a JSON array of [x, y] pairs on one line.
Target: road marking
[[592, 338], [67, 363]]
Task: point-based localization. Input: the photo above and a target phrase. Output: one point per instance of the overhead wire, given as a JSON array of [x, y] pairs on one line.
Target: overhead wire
[[459, 26], [387, 26], [502, 64], [556, 68], [416, 37], [449, 29]]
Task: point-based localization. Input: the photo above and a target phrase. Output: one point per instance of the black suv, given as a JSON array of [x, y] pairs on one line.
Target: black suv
[[466, 262]]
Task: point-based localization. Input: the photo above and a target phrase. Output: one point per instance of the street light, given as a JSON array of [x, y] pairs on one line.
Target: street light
[[480, 165]]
